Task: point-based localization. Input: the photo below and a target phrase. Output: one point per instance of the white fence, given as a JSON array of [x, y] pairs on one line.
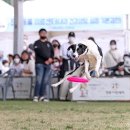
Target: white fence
[[101, 89], [22, 88]]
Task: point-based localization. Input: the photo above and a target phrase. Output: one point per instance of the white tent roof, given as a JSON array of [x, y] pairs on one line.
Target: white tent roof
[[75, 8], [6, 10]]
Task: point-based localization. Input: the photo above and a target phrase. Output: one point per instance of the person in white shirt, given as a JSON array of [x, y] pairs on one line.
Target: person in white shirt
[[68, 64], [113, 56], [113, 60], [28, 64]]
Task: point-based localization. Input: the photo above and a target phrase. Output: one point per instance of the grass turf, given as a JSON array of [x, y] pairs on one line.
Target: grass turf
[[27, 115]]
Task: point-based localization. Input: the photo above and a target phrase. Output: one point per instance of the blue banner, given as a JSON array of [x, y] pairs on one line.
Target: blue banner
[[75, 24]]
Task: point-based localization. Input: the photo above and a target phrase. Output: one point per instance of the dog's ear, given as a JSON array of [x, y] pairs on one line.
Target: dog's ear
[[82, 46], [69, 47], [72, 47]]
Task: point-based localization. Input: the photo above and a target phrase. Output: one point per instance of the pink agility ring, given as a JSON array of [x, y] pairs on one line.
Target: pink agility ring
[[77, 79]]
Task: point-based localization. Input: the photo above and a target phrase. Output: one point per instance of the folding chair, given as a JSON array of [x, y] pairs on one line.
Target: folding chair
[[2, 86], [8, 83]]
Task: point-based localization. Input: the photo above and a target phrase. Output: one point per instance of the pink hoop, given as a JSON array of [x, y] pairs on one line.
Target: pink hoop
[[77, 79]]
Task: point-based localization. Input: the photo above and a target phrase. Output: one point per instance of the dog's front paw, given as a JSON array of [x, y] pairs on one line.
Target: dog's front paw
[[88, 76], [94, 74], [97, 74]]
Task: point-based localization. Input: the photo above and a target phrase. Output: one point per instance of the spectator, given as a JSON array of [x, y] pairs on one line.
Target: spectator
[[44, 57], [68, 64], [56, 46], [5, 66], [57, 60], [32, 55], [30, 49], [17, 66], [1, 59], [113, 59], [28, 64], [10, 59], [25, 41]]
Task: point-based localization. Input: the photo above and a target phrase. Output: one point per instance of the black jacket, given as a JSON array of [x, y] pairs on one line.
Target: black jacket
[[43, 51]]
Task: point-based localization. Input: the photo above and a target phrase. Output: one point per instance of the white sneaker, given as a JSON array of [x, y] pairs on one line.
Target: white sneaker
[[46, 100], [41, 99], [35, 99]]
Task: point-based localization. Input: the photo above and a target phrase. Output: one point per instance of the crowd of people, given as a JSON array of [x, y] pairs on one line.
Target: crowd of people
[[114, 64], [23, 64], [50, 59]]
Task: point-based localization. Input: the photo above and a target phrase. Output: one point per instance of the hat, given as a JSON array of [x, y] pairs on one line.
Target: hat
[[71, 34], [42, 30]]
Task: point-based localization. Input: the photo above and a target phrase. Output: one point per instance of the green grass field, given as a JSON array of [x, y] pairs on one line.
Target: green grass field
[[26, 115]]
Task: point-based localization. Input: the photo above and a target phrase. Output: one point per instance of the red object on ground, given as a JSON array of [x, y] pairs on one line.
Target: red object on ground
[[78, 79]]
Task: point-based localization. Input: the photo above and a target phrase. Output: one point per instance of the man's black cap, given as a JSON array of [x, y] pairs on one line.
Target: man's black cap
[[42, 30], [71, 34]]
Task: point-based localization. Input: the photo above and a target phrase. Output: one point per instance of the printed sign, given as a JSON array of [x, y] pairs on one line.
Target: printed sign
[[74, 23], [104, 89], [22, 87]]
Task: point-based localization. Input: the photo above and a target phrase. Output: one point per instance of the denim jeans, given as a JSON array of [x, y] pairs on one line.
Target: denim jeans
[[43, 79]]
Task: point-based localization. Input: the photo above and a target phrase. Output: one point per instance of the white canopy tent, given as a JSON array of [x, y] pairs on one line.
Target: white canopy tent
[[75, 8], [81, 8], [67, 8], [6, 10], [6, 13]]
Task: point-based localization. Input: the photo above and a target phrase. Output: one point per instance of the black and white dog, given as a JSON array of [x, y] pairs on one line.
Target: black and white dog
[[84, 52]]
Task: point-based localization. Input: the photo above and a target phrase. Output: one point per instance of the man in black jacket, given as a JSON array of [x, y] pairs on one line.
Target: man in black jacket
[[44, 57]]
